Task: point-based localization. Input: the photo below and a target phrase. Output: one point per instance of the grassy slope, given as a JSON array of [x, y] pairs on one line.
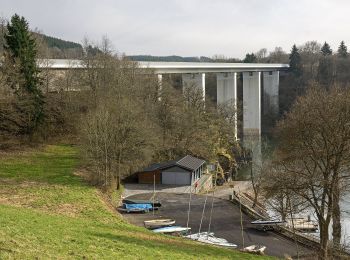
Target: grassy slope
[[48, 212]]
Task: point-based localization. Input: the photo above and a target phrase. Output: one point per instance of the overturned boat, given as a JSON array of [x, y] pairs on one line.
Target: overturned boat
[[132, 201], [158, 223], [267, 224], [209, 238], [137, 208], [254, 249], [172, 230]]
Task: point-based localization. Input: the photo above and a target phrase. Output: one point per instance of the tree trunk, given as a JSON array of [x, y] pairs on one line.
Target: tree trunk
[[336, 219], [324, 238], [253, 185], [118, 174]]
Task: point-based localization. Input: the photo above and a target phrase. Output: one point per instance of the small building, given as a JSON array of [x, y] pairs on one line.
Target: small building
[[184, 171]]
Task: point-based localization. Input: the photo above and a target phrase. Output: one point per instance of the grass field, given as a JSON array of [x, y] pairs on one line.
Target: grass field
[[48, 212]]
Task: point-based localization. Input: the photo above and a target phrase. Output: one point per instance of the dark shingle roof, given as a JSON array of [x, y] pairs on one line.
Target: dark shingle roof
[[157, 166], [188, 162]]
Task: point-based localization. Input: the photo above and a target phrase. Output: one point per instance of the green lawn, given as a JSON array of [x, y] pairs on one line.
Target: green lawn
[[48, 212]]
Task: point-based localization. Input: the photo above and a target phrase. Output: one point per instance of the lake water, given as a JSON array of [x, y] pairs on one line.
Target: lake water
[[244, 174]]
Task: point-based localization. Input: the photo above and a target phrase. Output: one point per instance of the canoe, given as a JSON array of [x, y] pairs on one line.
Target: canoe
[[209, 238], [173, 229], [132, 201], [255, 249], [158, 223]]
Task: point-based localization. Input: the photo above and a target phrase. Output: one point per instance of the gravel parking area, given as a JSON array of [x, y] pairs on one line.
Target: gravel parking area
[[226, 221]]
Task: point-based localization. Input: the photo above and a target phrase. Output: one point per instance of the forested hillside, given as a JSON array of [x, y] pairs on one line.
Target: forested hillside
[[175, 58], [59, 43]]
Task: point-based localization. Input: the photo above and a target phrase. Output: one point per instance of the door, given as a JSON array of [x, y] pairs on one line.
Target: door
[[176, 178]]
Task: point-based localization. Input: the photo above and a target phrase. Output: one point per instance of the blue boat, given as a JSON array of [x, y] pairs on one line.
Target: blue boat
[[144, 207]]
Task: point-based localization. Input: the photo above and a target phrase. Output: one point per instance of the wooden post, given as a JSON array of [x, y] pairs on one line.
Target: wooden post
[[154, 190], [240, 210]]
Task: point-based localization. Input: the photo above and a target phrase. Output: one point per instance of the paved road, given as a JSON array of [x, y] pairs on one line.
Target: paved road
[[225, 222]]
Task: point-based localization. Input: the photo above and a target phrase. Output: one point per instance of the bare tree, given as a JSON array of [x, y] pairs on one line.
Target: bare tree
[[310, 53], [261, 54], [278, 55], [314, 153]]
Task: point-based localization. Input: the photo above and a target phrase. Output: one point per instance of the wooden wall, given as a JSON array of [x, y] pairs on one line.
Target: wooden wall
[[147, 177]]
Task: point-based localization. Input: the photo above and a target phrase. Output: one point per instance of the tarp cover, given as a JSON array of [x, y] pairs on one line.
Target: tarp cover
[[145, 206]]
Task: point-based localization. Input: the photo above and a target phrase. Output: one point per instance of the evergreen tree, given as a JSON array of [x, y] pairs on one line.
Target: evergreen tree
[[20, 50], [326, 49], [295, 62], [250, 58], [342, 50]]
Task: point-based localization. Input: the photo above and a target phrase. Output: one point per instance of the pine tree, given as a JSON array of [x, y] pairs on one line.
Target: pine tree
[[326, 49], [342, 50], [250, 58], [295, 62], [20, 50]]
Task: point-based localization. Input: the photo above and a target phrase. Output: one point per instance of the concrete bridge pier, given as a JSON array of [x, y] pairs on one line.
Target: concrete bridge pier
[[251, 103], [227, 92], [271, 87], [160, 86], [252, 117], [196, 81]]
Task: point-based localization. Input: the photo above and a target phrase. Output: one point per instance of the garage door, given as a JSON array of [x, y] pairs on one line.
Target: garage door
[[176, 178]]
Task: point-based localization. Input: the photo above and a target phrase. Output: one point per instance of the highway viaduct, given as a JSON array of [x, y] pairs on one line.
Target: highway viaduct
[[193, 74]]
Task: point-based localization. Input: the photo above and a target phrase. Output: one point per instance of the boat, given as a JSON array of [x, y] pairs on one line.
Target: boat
[[172, 229], [132, 201], [267, 224], [129, 208], [254, 249], [209, 238], [158, 223], [303, 224]]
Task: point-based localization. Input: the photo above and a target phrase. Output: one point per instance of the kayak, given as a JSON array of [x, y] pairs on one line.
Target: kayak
[[158, 223], [173, 229], [132, 201]]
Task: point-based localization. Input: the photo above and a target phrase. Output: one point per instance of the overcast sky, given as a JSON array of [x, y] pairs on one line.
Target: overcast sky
[[189, 27]]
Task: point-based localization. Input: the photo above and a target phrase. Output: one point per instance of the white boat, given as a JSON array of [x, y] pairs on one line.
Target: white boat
[[303, 224], [209, 238], [255, 249], [173, 229], [157, 223]]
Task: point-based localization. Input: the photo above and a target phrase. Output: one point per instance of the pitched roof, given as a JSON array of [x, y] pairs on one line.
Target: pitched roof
[[158, 166], [188, 162]]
